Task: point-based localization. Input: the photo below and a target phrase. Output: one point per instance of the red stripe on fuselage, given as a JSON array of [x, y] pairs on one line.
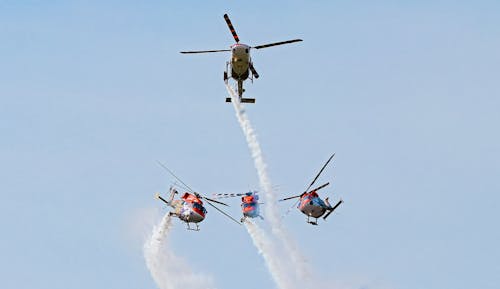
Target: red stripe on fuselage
[[199, 212]]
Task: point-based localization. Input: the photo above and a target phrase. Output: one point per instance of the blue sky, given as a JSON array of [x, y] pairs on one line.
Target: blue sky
[[406, 94]]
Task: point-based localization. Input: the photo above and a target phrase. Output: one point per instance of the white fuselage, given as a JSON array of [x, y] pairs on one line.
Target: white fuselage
[[187, 212], [190, 216]]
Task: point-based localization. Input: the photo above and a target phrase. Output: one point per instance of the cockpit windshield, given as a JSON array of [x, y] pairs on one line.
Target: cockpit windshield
[[199, 207], [248, 205]]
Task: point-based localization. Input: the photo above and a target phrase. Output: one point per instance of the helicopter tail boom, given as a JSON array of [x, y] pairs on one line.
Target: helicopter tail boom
[[157, 195]]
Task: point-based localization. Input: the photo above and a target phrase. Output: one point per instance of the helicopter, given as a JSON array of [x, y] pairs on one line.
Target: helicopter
[[240, 67], [311, 205], [249, 204], [189, 208]]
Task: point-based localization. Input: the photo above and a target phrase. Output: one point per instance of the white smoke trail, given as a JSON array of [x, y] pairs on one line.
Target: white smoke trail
[[268, 252], [168, 270], [271, 211]]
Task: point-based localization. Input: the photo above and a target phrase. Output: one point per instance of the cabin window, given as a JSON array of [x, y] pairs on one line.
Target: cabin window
[[246, 50]]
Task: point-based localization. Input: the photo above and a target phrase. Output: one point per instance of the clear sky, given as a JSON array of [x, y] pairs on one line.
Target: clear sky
[[406, 93]]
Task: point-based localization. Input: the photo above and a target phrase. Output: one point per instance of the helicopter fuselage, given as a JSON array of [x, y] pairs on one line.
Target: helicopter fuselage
[[240, 64], [250, 205], [189, 211], [192, 213], [312, 205], [240, 61]]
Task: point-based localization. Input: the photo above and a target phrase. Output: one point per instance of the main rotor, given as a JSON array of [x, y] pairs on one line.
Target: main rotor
[[237, 40]]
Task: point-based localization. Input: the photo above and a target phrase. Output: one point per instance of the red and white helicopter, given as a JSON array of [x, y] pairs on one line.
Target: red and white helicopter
[[240, 67], [311, 205], [189, 208], [249, 203]]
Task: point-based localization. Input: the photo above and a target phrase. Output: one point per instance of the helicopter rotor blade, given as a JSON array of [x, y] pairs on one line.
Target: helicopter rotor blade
[[173, 175], [215, 201], [204, 51], [222, 212], [181, 186], [227, 195], [290, 209], [317, 176], [289, 198], [319, 188], [276, 43], [231, 28]]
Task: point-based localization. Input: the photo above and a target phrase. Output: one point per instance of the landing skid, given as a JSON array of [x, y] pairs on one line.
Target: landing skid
[[193, 229], [245, 218], [242, 100], [333, 209], [239, 89], [315, 223]]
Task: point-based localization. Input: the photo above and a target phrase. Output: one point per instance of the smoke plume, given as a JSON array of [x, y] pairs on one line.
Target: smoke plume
[[300, 265], [168, 270]]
